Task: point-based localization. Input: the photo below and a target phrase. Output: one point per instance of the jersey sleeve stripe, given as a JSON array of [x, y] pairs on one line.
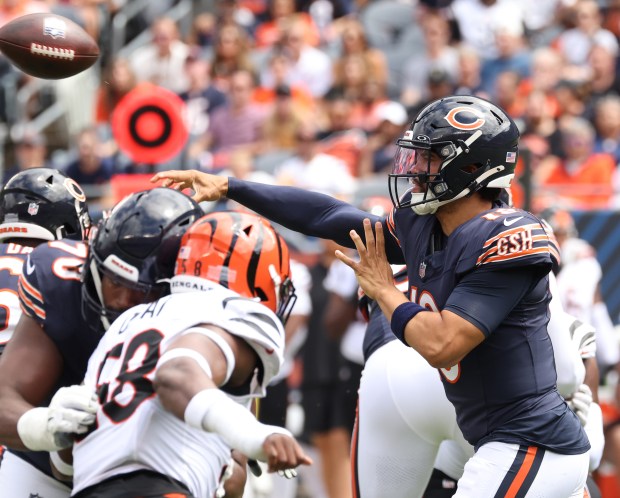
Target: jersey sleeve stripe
[[30, 289], [391, 226], [27, 301], [29, 308], [256, 327]]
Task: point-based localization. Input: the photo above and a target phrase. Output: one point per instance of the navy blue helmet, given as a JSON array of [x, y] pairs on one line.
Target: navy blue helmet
[[136, 246], [478, 146], [43, 204]]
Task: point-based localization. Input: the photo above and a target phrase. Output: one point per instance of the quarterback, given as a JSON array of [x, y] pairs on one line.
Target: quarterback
[[478, 276]]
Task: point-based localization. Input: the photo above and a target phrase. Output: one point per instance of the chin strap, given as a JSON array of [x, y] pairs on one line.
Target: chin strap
[[97, 283]]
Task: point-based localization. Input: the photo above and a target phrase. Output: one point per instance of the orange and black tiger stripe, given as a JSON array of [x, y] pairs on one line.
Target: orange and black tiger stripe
[[236, 250], [522, 472]]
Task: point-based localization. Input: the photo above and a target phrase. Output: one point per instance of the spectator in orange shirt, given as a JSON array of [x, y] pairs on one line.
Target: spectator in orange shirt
[[118, 80], [275, 74], [583, 179], [270, 32], [546, 73], [284, 121], [340, 139], [507, 94]]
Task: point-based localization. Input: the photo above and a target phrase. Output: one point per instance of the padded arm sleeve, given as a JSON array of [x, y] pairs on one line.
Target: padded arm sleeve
[[310, 213]]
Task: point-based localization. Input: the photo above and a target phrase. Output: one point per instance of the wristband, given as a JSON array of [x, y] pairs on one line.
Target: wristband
[[401, 316]]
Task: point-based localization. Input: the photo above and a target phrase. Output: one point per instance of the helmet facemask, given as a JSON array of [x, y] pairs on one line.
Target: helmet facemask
[[135, 248], [93, 300], [285, 294]]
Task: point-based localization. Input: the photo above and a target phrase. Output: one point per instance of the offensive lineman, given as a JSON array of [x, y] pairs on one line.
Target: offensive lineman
[[69, 295], [36, 205]]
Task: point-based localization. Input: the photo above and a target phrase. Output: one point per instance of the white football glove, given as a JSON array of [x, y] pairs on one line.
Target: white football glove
[[580, 403], [71, 411]]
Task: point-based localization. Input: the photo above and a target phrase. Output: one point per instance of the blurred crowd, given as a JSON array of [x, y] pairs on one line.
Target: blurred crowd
[[314, 93]]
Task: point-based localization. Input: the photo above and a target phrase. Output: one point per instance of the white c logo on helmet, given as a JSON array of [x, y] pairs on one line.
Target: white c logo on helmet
[[74, 189], [453, 119]]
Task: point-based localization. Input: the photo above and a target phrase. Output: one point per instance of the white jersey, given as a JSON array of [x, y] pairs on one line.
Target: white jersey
[[133, 431], [578, 278]]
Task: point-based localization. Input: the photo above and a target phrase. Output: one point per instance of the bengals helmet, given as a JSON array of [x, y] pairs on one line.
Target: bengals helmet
[[477, 144], [43, 204], [242, 252], [136, 246]]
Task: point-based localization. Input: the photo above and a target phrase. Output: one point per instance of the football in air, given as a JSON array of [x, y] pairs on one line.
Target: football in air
[[48, 46]]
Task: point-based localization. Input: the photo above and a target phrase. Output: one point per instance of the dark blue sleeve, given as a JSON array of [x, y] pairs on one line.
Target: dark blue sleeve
[[310, 213], [485, 297]]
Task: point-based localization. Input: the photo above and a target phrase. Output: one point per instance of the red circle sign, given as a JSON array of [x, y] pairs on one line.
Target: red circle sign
[[148, 124]]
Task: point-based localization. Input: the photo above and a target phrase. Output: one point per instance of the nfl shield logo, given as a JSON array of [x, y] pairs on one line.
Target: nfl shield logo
[[56, 28], [422, 269], [33, 208]]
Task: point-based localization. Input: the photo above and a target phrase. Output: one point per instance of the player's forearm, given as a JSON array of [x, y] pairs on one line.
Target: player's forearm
[[430, 333], [235, 484], [13, 407], [310, 213]]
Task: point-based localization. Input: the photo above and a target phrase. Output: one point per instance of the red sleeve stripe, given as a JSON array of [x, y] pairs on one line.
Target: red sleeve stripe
[[30, 289], [532, 226], [506, 257]]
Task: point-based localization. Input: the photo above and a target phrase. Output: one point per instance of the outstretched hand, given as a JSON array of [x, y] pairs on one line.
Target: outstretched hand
[[373, 271], [284, 454], [206, 187]]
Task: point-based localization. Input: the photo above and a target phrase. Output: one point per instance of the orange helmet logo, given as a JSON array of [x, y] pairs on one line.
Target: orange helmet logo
[[456, 122]]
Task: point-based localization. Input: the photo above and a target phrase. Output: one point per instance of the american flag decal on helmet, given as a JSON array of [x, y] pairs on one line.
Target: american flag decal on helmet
[[511, 157]]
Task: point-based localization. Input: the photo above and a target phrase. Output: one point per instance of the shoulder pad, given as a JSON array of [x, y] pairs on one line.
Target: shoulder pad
[[506, 238], [49, 269]]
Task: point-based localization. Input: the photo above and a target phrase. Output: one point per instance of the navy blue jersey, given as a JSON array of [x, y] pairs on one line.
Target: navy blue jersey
[[50, 293], [12, 257], [505, 388]]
